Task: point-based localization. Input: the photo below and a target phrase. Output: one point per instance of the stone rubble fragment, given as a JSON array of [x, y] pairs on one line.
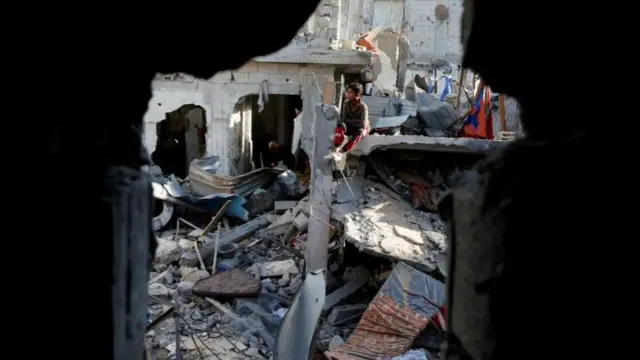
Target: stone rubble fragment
[[336, 341], [346, 314], [158, 290], [167, 252], [277, 268]]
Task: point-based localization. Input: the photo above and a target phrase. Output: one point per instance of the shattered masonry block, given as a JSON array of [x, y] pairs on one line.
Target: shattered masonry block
[[360, 278], [277, 268]]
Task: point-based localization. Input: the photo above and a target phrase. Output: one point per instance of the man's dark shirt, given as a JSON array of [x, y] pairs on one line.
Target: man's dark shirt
[[356, 116], [283, 153]]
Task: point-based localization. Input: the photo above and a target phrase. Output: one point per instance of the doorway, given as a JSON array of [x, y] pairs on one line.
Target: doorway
[[274, 123], [180, 140]]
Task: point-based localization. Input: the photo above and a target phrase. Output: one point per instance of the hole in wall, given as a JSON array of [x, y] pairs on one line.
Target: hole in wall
[[180, 138], [274, 123]]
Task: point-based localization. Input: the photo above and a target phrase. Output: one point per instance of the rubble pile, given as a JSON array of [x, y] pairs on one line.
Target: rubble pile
[[230, 264], [378, 221], [258, 280]]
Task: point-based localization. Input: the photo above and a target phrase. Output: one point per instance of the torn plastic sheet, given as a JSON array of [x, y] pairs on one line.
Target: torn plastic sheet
[[395, 318], [212, 203]]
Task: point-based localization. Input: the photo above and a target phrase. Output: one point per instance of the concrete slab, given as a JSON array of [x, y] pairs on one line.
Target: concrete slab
[[318, 56], [426, 143], [383, 224]]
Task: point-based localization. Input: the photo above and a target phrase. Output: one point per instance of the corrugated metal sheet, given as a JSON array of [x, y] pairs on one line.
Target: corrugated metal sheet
[[205, 182], [395, 317]]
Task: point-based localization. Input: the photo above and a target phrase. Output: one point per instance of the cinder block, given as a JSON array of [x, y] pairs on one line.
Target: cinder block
[[269, 68], [240, 77], [289, 89], [251, 66], [221, 78], [257, 77], [291, 69], [282, 79]]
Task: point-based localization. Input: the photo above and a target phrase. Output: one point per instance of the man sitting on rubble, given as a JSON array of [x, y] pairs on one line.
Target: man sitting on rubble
[[354, 119], [280, 153]]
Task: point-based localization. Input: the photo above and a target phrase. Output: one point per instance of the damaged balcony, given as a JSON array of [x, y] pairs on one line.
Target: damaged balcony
[[294, 55]]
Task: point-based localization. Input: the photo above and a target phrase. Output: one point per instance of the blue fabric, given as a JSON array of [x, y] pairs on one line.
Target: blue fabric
[[473, 118], [447, 88], [211, 203]]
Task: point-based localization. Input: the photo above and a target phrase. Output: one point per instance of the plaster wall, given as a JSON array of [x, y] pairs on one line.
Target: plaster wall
[[427, 37], [219, 96]]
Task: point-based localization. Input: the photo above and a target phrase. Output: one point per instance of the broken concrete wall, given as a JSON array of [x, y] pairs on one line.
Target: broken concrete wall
[[356, 18], [429, 37], [166, 100], [218, 96], [426, 37], [321, 27]]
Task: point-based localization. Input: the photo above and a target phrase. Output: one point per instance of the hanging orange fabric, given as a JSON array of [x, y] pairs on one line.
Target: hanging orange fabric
[[479, 123]]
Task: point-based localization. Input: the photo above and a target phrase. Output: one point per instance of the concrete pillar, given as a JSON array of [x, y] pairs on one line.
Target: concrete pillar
[[324, 123]]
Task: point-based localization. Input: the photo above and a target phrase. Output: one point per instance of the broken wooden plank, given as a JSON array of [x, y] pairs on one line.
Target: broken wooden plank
[[236, 234]]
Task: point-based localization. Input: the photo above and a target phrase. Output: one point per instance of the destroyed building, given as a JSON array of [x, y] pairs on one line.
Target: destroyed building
[[227, 105], [351, 266]]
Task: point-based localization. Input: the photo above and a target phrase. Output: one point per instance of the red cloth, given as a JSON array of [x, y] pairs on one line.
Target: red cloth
[[485, 120], [437, 319], [340, 134]]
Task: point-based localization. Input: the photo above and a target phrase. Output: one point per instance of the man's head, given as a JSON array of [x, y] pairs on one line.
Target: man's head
[[354, 91], [273, 146]]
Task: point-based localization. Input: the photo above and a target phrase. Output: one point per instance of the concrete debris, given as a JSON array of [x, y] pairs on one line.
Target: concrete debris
[[386, 225], [277, 268], [281, 206], [264, 271], [167, 252], [358, 278], [346, 314], [335, 342]]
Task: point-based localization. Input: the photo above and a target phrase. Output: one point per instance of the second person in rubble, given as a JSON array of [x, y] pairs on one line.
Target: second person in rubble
[[280, 153]]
